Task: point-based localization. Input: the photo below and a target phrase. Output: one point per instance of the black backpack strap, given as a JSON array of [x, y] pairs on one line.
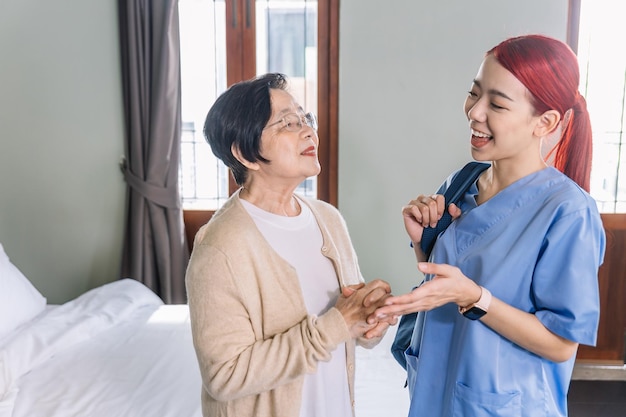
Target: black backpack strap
[[460, 184]]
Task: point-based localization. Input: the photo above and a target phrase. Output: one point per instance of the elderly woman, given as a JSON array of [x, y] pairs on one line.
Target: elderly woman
[[276, 296]]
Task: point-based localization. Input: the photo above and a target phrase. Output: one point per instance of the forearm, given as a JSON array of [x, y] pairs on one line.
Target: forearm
[[525, 330], [232, 368]]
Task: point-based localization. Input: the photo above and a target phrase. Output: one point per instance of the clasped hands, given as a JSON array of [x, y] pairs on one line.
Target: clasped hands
[[357, 304]]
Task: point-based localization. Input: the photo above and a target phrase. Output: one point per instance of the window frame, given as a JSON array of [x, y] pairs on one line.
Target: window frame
[[609, 348], [573, 24], [241, 65]]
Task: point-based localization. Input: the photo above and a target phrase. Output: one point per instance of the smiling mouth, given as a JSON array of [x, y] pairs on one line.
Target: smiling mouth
[[480, 134], [480, 139], [309, 151]]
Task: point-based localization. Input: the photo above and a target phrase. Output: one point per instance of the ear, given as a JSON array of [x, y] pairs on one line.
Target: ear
[[237, 154], [547, 123]]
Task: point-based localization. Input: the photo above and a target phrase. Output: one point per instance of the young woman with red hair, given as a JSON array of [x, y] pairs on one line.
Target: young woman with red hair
[[511, 286]]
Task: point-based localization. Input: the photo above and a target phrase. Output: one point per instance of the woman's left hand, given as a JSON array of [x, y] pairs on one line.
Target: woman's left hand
[[448, 285]]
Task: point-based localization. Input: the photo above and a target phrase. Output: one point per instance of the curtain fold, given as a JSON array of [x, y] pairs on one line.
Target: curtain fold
[[155, 250]]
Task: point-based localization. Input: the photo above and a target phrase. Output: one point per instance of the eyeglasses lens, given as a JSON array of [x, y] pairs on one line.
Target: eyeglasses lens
[[311, 120], [294, 122]]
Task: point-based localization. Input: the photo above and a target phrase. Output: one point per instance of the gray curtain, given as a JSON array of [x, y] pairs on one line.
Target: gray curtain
[[155, 250]]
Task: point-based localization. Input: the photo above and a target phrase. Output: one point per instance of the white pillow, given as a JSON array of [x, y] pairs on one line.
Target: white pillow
[[20, 301]]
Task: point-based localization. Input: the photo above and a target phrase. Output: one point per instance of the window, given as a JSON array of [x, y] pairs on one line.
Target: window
[[602, 59], [203, 178], [223, 42], [287, 43]]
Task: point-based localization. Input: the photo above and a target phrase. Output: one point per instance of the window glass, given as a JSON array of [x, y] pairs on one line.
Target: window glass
[[602, 59], [286, 33], [203, 177]]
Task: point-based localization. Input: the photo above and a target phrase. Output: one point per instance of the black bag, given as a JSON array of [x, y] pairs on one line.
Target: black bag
[[460, 184]]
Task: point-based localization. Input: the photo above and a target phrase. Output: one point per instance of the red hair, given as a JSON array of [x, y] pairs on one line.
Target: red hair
[[548, 68]]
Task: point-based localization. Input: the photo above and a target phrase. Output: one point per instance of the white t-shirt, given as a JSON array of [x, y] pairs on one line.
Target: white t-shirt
[[298, 240]]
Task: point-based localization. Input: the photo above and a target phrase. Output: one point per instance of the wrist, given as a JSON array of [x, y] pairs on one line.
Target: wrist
[[474, 295], [479, 308]]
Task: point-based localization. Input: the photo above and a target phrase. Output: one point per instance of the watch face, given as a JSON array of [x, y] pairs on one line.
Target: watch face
[[474, 313]]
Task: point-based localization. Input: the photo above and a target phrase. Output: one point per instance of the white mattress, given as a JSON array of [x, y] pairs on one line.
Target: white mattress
[[118, 351]]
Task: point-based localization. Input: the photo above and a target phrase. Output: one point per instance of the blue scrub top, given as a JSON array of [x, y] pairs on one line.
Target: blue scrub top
[[537, 245]]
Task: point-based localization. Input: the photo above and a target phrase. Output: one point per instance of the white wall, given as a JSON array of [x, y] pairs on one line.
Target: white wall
[[61, 191], [405, 69]]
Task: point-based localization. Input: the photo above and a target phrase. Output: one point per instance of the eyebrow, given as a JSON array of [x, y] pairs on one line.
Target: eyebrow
[[494, 92]]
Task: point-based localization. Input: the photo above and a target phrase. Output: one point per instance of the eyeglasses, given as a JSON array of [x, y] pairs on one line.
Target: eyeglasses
[[294, 122]]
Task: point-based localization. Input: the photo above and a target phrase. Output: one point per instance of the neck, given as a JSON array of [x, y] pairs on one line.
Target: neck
[[501, 175], [282, 204]]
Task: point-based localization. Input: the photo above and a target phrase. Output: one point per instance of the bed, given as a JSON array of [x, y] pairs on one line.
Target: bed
[[117, 350]]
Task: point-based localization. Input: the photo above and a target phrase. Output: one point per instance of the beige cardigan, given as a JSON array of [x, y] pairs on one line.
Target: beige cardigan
[[253, 338]]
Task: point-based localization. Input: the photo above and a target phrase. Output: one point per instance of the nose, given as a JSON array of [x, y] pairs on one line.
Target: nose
[[475, 109], [309, 129], [309, 132]]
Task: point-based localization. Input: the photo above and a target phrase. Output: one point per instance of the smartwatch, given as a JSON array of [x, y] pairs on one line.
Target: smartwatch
[[479, 308]]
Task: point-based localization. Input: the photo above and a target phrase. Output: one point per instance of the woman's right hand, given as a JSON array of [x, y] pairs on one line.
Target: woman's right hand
[[357, 302], [424, 211]]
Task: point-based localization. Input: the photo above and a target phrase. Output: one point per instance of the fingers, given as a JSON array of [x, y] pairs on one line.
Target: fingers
[[372, 293], [348, 290], [378, 330], [391, 313], [454, 211], [436, 206], [447, 285], [425, 209], [395, 306], [378, 289], [357, 302], [379, 315], [436, 269], [374, 297], [379, 283]]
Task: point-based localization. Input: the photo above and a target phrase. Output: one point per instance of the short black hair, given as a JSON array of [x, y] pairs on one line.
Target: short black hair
[[238, 117]]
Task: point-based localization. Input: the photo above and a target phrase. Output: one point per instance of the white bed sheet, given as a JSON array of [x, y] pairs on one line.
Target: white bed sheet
[[117, 351], [120, 352]]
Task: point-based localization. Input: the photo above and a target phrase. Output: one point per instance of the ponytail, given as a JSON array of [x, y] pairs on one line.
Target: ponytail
[[573, 153]]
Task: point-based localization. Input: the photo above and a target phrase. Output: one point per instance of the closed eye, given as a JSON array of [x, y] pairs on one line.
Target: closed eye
[[290, 123]]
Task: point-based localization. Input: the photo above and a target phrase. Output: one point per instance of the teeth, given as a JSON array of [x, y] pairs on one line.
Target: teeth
[[480, 134]]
